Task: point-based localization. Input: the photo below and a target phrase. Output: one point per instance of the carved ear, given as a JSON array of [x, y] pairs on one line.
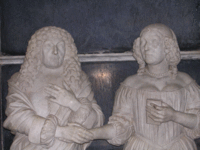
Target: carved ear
[[34, 45], [143, 43], [137, 53], [168, 42], [172, 51]]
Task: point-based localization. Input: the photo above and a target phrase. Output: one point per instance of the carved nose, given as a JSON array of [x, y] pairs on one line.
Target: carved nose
[[55, 50]]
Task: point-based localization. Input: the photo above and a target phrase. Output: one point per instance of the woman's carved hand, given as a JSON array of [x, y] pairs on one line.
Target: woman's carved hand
[[162, 113]]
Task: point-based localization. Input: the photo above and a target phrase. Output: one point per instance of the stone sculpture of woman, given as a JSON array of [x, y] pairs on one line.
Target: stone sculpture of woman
[[50, 103], [158, 108]]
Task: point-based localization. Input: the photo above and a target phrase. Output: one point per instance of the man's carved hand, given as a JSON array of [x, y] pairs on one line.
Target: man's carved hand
[[74, 133], [62, 97]]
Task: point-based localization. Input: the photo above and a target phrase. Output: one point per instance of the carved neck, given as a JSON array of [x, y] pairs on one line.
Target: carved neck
[[158, 69], [48, 71]]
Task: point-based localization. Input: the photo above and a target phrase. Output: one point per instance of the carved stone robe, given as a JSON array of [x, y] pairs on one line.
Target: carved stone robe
[[136, 134], [34, 122]]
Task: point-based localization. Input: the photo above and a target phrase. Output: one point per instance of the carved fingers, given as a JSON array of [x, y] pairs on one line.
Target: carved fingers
[[52, 90], [66, 86], [82, 136], [76, 134], [59, 95], [162, 113]]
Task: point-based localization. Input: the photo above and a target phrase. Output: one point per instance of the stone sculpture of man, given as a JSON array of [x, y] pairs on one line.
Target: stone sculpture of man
[[158, 108], [50, 103]]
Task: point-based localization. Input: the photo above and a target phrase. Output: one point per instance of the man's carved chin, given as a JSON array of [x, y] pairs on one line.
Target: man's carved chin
[[52, 62], [53, 65]]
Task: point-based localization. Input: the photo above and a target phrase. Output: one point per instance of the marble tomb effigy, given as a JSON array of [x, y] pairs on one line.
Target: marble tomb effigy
[[50, 103], [158, 108]]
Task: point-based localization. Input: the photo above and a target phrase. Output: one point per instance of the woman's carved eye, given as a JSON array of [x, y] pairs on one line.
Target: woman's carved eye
[[155, 42]]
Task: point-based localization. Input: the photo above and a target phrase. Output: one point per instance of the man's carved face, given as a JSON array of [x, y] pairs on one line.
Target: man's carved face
[[53, 53]]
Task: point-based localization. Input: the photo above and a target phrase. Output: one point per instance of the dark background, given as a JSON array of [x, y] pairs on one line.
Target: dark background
[[98, 26]]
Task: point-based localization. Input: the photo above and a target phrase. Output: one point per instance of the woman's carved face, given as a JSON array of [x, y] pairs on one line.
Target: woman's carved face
[[53, 53], [154, 48]]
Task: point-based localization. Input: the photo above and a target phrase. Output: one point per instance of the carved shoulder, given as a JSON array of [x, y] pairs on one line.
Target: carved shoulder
[[14, 77], [134, 81], [184, 78]]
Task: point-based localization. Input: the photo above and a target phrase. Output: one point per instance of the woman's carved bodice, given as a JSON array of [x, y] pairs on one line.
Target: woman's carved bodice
[[131, 101]]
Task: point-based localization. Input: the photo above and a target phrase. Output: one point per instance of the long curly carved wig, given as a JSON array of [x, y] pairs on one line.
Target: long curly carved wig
[[33, 59]]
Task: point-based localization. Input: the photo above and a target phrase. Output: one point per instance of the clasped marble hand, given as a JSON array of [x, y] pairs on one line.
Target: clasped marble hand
[[74, 133]]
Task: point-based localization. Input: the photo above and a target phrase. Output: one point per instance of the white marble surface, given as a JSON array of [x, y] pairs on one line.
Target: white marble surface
[[157, 108], [50, 102]]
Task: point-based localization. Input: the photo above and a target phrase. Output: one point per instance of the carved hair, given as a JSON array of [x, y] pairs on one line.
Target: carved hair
[[33, 60], [172, 51]]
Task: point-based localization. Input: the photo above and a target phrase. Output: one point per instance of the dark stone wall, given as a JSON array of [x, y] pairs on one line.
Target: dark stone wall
[[97, 25]]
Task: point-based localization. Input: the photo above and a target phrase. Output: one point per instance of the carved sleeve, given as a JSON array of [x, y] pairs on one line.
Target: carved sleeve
[[82, 113], [193, 107], [89, 114], [48, 131], [23, 119], [122, 117]]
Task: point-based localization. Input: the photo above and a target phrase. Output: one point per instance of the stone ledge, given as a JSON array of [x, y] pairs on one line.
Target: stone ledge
[[105, 57]]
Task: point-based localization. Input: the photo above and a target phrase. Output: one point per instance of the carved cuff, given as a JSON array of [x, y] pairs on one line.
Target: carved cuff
[[74, 105], [197, 127], [198, 119], [195, 132], [35, 129], [48, 131], [122, 130], [82, 113]]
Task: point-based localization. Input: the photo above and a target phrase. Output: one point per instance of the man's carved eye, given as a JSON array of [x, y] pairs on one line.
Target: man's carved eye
[[61, 44], [154, 41], [48, 44]]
